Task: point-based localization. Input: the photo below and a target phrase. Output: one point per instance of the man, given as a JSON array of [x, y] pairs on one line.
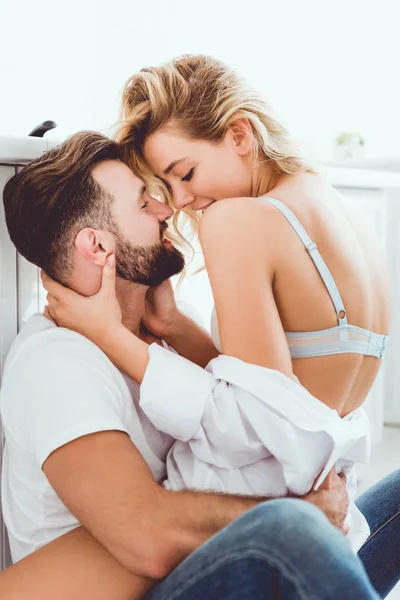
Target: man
[[79, 450]]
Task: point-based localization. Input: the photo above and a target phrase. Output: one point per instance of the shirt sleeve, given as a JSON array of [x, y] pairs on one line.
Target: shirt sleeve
[[174, 392], [56, 392]]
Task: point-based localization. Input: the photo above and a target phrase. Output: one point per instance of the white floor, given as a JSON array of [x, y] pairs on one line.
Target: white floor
[[385, 458]]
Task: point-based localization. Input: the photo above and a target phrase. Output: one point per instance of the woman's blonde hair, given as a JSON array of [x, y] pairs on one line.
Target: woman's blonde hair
[[200, 97]]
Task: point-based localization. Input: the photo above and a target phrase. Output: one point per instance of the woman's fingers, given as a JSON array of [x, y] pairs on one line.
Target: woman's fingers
[[53, 287], [46, 279], [50, 309], [52, 300], [47, 314], [108, 277]]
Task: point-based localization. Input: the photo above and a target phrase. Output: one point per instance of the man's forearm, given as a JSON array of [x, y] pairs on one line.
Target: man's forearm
[[191, 341], [194, 517]]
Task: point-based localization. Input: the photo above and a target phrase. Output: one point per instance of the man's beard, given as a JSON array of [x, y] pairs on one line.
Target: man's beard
[[147, 265]]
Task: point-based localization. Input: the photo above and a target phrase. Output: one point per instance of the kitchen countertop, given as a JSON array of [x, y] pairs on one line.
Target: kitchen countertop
[[21, 150]]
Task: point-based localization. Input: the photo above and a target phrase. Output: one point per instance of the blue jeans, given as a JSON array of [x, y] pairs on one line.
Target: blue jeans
[[286, 549], [381, 552]]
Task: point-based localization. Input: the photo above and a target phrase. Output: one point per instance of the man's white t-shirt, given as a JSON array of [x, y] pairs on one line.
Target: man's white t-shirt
[[58, 386]]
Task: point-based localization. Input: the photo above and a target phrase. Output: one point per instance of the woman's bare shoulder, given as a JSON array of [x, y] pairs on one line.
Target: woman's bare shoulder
[[233, 214], [302, 189]]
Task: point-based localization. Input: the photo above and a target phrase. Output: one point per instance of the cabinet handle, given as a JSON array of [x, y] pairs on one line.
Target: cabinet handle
[[41, 129]]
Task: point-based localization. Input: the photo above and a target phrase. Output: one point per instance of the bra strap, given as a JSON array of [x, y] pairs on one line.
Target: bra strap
[[316, 257]]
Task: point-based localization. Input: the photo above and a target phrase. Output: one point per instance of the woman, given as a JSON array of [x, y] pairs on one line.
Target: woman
[[193, 125]]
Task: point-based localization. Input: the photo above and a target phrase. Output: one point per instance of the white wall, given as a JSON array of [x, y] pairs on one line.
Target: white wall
[[325, 65]]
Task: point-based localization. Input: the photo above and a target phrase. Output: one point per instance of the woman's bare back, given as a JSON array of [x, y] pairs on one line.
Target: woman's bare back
[[354, 257]]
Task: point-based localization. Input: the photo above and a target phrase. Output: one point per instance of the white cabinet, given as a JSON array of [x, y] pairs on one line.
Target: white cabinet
[[24, 293], [21, 294], [376, 195], [391, 362], [8, 322], [371, 205], [19, 284]]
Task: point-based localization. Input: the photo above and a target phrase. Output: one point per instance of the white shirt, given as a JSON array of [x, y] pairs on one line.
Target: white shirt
[[57, 387], [245, 429]]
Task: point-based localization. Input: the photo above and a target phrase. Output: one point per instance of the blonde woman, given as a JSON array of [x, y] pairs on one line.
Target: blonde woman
[[299, 286], [201, 132]]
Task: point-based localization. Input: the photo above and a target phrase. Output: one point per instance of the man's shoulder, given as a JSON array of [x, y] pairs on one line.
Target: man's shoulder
[[43, 348], [40, 335], [58, 386], [47, 364]]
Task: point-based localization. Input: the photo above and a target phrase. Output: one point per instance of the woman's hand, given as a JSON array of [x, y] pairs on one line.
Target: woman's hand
[[89, 316], [161, 310]]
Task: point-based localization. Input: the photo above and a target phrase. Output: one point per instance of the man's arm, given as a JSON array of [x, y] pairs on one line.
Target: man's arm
[[105, 482]]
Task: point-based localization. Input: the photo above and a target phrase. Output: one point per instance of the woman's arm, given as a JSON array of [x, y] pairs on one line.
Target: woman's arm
[[164, 319], [190, 340], [99, 319], [239, 244], [131, 354], [125, 350]]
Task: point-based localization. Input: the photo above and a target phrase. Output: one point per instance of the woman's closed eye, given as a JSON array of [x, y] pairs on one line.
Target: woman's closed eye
[[189, 176]]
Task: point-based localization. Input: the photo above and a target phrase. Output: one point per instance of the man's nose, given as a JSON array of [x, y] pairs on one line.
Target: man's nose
[[182, 199], [162, 211]]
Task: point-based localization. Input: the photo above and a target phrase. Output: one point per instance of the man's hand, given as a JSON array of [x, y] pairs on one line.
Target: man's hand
[[332, 498]]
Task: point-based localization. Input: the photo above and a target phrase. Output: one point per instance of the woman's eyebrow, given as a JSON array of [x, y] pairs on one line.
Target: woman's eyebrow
[[173, 164]]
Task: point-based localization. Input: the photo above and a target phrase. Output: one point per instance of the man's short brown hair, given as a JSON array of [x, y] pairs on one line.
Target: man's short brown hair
[[55, 196]]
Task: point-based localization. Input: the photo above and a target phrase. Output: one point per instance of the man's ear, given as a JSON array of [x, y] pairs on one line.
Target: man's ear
[[95, 245], [241, 134]]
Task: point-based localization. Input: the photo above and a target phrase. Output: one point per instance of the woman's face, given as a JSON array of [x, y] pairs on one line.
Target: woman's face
[[199, 172]]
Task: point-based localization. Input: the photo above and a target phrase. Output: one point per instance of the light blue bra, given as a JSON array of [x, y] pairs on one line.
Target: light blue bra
[[343, 338]]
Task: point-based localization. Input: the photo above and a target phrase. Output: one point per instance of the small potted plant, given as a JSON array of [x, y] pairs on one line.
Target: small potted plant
[[350, 145]]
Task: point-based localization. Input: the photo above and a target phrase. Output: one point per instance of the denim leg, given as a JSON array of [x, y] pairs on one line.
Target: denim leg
[[381, 552], [280, 550]]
